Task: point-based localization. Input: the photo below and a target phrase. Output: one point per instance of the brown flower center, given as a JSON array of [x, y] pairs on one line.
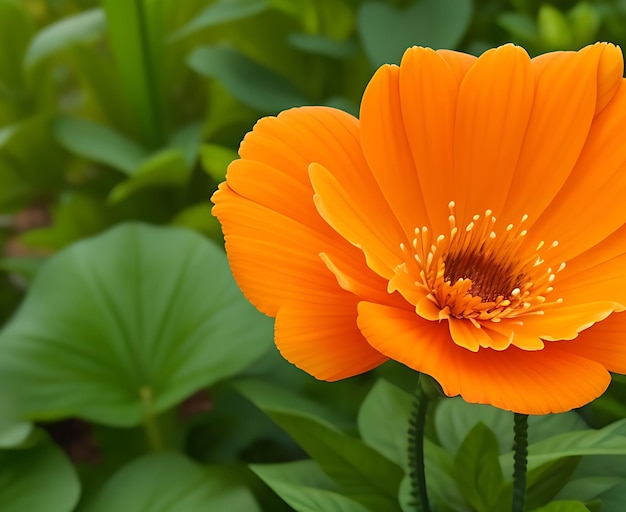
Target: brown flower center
[[480, 274]]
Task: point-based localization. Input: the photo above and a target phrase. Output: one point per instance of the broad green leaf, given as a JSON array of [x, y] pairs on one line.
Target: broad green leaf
[[40, 478], [165, 168], [478, 471], [99, 143], [305, 487], [563, 506], [323, 45], [126, 324], [188, 139], [521, 26], [384, 421], [169, 482], [387, 32], [249, 82], [215, 160], [83, 27], [220, 12], [362, 473], [136, 39]]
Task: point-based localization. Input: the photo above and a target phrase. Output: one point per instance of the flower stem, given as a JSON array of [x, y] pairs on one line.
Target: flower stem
[[417, 472], [150, 424], [520, 453]]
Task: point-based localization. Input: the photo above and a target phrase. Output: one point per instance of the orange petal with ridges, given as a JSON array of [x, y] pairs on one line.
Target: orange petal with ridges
[[458, 62], [603, 343], [493, 109], [324, 340], [590, 206], [388, 150], [428, 93], [538, 382], [563, 109]]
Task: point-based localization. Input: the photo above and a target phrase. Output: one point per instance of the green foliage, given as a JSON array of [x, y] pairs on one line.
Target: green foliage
[[118, 118]]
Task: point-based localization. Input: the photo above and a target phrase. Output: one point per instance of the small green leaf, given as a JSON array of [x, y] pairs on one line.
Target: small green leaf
[[519, 25], [40, 478], [83, 27], [478, 471], [222, 11], [553, 28], [215, 160], [563, 506], [169, 482], [199, 218], [322, 45], [17, 26], [305, 487], [99, 143], [387, 32], [361, 473], [384, 421], [252, 84], [165, 168], [584, 21], [136, 317]]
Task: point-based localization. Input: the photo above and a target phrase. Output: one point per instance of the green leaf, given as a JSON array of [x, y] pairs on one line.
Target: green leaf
[[305, 487], [188, 139], [83, 27], [252, 84], [40, 478], [454, 418], [165, 168], [362, 473], [384, 421], [519, 25], [169, 482], [584, 21], [611, 491], [478, 471], [99, 143], [563, 506], [136, 39], [215, 160], [134, 319], [199, 218], [387, 32], [222, 11], [322, 45], [16, 29], [553, 28]]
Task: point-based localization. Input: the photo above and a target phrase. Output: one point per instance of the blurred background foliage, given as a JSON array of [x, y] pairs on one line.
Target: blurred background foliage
[[126, 375]]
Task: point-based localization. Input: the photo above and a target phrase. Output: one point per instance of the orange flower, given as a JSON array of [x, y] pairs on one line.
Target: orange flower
[[470, 225]]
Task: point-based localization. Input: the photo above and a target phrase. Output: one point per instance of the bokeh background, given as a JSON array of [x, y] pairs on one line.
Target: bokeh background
[[133, 375]]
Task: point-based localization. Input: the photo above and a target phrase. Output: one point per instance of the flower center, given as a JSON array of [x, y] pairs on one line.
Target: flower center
[[480, 274]]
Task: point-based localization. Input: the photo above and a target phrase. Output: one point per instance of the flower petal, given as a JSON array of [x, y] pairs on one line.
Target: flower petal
[[428, 94], [459, 62], [603, 343], [590, 206], [537, 382], [323, 339], [273, 232], [376, 234], [563, 108], [494, 105], [388, 151]]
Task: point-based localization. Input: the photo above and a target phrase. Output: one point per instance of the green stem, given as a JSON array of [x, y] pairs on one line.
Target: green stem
[[417, 471], [150, 424], [520, 454]]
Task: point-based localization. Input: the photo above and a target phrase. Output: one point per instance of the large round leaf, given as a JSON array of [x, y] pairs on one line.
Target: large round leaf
[[129, 322], [37, 479], [168, 482]]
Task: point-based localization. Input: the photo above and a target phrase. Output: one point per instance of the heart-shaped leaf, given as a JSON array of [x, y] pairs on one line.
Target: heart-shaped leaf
[[386, 31], [133, 320]]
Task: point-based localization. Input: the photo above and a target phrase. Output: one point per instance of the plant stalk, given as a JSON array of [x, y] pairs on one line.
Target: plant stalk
[[150, 424], [520, 454], [417, 471]]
